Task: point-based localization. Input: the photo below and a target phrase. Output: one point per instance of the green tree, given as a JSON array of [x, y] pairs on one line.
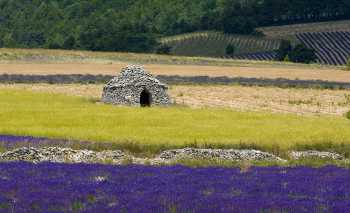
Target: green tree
[[237, 17], [8, 41], [302, 54], [69, 43], [55, 42], [109, 33], [106, 24], [348, 64], [284, 49]]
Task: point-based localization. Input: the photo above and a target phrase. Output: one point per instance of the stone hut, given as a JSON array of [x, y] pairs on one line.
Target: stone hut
[[136, 87]]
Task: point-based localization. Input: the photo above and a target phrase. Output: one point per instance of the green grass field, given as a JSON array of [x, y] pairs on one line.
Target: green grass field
[[64, 117]]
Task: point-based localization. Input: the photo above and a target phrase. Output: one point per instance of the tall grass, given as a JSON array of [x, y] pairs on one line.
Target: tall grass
[[59, 116]]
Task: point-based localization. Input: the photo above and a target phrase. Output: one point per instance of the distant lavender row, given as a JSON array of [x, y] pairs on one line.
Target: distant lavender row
[[331, 47], [259, 56], [175, 79], [50, 187]]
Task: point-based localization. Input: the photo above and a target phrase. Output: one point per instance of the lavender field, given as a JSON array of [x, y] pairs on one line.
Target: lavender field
[[331, 48], [47, 187]]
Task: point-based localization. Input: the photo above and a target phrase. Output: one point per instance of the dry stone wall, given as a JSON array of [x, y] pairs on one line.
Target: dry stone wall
[[117, 157]]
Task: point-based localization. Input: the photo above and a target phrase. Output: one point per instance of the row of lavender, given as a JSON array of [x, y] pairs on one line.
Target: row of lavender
[[258, 56], [47, 187], [331, 47], [174, 79]]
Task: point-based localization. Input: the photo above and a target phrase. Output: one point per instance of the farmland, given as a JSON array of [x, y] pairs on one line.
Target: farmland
[[254, 71], [331, 47], [213, 44], [230, 102], [103, 188], [269, 99], [285, 31], [49, 62], [270, 119], [258, 56], [59, 116], [174, 106], [330, 40]]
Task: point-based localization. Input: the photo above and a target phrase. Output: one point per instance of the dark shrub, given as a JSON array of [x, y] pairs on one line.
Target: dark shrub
[[230, 50], [347, 115], [163, 49], [302, 54], [283, 51], [54, 45]]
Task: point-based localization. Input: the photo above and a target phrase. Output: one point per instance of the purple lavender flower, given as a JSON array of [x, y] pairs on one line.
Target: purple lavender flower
[[48, 187]]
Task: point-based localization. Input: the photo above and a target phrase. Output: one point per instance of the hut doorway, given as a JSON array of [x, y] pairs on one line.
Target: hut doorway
[[145, 98]]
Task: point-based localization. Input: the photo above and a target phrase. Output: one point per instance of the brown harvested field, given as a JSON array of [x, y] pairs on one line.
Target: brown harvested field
[[271, 72], [298, 101]]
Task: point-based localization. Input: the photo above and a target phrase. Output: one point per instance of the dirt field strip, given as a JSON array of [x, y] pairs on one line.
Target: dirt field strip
[[182, 70], [299, 101], [296, 101]]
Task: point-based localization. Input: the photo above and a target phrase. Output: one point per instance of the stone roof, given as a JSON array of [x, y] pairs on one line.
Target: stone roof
[[134, 75]]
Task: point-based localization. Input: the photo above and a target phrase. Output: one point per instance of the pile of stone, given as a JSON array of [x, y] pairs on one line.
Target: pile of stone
[[67, 155], [131, 74], [296, 155], [61, 155], [221, 154]]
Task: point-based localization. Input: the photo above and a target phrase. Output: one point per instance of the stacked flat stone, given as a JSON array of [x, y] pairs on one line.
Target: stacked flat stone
[[61, 155], [315, 154], [68, 155], [222, 154], [117, 157], [126, 88]]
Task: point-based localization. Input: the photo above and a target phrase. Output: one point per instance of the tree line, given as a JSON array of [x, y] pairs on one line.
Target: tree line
[[135, 25]]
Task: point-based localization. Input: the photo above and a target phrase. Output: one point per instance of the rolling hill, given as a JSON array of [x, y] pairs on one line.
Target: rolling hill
[[213, 44], [330, 40], [290, 31]]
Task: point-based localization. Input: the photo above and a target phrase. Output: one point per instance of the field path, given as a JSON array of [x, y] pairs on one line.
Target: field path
[[288, 72]]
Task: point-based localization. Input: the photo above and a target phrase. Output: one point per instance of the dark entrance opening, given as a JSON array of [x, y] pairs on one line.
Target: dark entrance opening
[[145, 98]]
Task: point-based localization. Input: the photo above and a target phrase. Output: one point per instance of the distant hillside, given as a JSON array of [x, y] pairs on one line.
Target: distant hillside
[[330, 40], [135, 25], [287, 31], [213, 44]]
